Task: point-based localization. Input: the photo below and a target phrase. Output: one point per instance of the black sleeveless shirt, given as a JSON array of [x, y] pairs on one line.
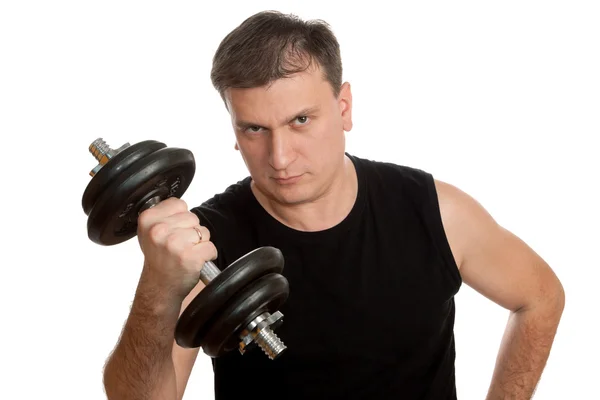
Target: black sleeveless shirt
[[370, 313]]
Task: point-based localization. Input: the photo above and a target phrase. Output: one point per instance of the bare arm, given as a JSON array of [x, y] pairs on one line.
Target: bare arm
[[502, 267], [141, 366], [523, 352], [147, 363]]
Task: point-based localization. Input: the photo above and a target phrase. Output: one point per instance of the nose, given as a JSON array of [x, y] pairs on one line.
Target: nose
[[282, 150]]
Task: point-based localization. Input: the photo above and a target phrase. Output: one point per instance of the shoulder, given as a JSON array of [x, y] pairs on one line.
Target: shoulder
[[491, 258], [466, 221], [462, 219]]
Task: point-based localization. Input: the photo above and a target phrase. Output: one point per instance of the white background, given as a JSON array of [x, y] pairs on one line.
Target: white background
[[501, 99]]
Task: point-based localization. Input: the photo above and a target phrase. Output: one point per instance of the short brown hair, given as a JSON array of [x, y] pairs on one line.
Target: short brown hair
[[271, 45]]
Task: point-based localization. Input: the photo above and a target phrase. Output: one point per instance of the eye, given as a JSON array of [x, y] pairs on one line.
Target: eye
[[253, 129], [302, 119]]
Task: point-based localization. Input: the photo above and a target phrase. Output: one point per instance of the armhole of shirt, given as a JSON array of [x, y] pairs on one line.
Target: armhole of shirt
[[433, 213]]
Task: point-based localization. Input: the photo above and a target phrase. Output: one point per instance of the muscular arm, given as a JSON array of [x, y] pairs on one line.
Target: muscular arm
[[146, 363], [523, 352], [503, 268]]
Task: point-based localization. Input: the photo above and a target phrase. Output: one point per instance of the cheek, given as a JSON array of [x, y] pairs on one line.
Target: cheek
[[332, 136], [254, 154]]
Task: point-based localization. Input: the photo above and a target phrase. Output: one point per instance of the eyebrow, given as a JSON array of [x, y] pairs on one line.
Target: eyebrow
[[306, 111]]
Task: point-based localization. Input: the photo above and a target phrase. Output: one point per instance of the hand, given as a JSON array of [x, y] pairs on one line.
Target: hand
[[173, 255]]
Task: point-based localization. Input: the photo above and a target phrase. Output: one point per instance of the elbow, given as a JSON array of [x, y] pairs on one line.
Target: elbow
[[108, 382], [552, 304], [555, 298], [560, 299], [114, 388], [547, 302]]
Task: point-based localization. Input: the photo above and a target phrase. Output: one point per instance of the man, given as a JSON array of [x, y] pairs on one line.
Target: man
[[374, 252]]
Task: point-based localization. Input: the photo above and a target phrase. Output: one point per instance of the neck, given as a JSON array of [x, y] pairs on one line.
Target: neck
[[333, 204]]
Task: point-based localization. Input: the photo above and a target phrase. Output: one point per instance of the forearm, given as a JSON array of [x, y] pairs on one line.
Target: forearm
[[141, 367], [524, 351]]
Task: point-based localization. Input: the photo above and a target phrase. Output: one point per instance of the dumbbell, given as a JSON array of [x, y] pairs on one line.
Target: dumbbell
[[238, 308]]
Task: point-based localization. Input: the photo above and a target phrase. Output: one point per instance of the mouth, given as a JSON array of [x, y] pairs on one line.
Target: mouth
[[288, 181]]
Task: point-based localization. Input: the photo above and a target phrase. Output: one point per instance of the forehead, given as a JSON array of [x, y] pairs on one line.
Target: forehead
[[281, 97]]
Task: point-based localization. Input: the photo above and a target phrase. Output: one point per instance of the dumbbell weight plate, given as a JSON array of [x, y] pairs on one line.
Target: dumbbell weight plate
[[197, 317], [166, 173], [266, 294], [114, 167]]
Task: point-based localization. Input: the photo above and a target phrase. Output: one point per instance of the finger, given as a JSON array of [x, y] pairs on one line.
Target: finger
[[182, 220], [179, 240], [162, 210], [203, 233], [197, 255]]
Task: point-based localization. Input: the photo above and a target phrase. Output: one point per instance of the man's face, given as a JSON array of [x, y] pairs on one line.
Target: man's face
[[291, 135]]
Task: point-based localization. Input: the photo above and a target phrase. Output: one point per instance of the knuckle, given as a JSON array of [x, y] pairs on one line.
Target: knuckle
[[205, 233], [172, 206], [194, 219], [213, 252], [178, 204], [173, 244], [158, 231], [144, 219], [183, 204]]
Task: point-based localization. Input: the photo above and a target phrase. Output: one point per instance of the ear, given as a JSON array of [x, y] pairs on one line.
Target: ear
[[345, 103], [236, 146]]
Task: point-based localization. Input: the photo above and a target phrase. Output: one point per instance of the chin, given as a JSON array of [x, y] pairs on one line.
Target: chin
[[288, 194], [294, 200]]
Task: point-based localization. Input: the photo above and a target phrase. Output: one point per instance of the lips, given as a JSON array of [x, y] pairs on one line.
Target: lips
[[288, 180]]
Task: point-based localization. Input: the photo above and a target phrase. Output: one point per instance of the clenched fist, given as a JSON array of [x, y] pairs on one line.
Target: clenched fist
[[169, 236]]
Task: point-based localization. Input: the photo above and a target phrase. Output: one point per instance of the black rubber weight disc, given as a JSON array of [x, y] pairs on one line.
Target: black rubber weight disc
[[166, 173], [113, 168], [266, 294], [195, 320]]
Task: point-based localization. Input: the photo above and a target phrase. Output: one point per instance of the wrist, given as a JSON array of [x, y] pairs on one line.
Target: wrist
[[155, 297]]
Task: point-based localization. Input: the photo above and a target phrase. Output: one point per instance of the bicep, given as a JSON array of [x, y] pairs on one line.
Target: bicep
[[492, 260], [184, 359], [502, 267]]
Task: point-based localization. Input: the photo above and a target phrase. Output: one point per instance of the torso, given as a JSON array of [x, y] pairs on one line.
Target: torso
[[371, 307]]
